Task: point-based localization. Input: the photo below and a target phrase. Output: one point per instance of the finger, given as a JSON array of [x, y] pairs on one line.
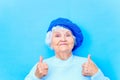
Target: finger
[[39, 68], [86, 64], [41, 59], [84, 72], [45, 72], [83, 64], [45, 66], [89, 58]]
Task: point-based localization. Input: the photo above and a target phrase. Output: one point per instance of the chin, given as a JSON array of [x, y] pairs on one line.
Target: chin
[[65, 50]]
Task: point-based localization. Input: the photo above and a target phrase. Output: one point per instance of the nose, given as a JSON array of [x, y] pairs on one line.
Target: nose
[[63, 38]]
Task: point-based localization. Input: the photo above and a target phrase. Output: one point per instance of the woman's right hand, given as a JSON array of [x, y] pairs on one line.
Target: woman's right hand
[[42, 69]]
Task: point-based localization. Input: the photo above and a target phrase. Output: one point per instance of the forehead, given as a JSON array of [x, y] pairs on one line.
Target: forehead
[[60, 29]]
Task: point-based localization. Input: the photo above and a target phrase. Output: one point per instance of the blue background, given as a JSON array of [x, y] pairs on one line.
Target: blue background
[[23, 25]]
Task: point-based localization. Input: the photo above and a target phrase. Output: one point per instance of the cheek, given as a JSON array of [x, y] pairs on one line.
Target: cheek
[[54, 42], [71, 41]]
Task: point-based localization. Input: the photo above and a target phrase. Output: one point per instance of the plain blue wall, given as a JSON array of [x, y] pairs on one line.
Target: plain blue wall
[[23, 25]]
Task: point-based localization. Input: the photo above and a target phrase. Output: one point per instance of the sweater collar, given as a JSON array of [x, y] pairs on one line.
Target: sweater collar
[[57, 60]]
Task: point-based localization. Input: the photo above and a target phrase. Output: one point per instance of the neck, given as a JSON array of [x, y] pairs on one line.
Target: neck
[[63, 55]]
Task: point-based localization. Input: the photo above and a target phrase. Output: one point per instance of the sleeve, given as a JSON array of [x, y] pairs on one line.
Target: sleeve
[[99, 76], [31, 75]]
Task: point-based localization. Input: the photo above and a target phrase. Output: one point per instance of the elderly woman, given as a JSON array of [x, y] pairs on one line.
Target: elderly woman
[[63, 36]]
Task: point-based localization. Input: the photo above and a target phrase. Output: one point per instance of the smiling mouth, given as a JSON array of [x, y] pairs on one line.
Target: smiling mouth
[[63, 44]]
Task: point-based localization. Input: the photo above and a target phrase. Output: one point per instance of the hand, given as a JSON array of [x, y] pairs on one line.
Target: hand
[[42, 69], [89, 68]]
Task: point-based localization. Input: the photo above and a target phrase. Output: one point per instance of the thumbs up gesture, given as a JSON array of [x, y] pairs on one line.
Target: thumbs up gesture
[[89, 68], [42, 69]]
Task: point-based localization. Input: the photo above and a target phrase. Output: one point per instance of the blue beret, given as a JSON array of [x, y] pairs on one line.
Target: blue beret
[[66, 23]]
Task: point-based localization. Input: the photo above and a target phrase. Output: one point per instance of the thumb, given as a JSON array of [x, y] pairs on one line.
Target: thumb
[[89, 58], [41, 59]]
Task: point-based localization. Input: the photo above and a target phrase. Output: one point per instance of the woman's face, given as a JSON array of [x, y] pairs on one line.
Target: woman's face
[[62, 40]]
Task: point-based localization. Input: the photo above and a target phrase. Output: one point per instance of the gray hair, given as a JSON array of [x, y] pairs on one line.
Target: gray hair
[[49, 35]]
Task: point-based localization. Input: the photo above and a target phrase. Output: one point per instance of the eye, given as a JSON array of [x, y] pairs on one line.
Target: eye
[[57, 35], [68, 35]]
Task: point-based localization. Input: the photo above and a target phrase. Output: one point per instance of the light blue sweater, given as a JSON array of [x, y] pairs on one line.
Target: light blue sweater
[[69, 69]]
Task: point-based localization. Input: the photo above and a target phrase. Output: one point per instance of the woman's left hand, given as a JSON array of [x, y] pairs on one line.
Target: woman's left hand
[[89, 68]]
